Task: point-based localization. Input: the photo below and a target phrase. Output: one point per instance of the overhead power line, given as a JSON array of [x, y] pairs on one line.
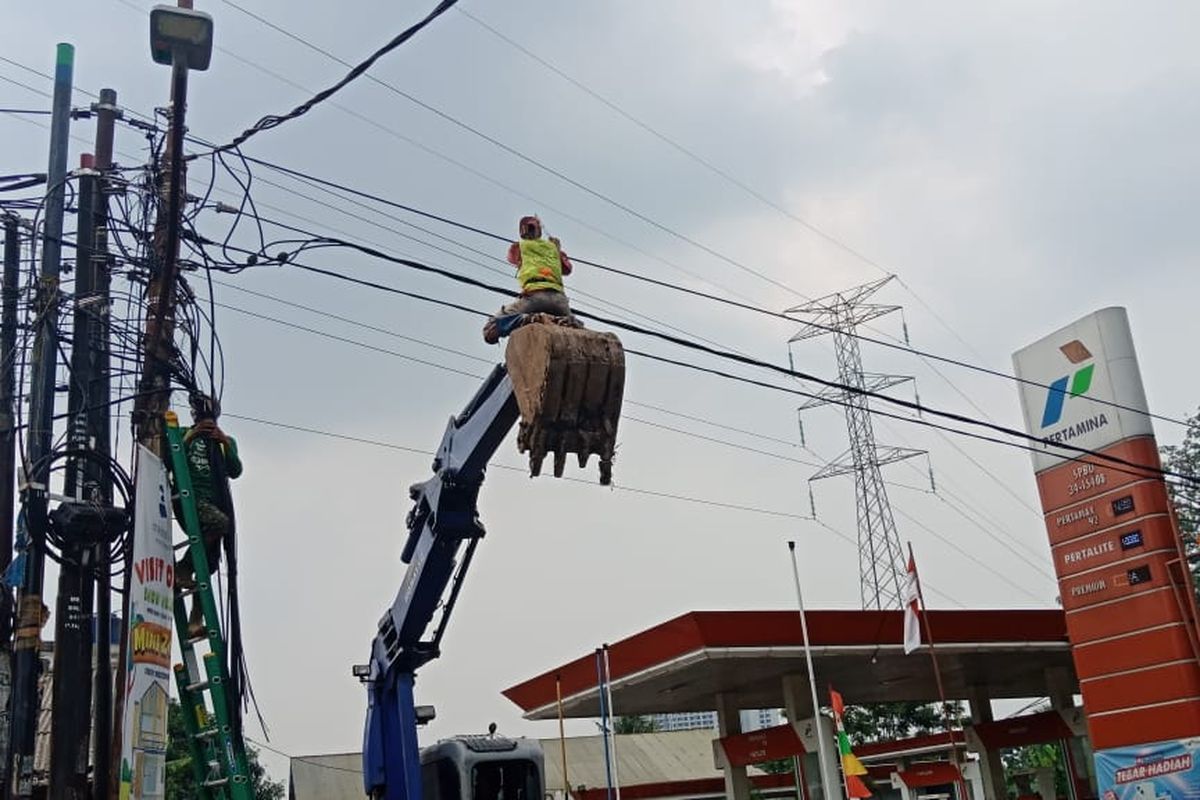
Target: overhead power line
[[636, 276], [300, 174], [616, 487], [836, 241], [738, 358], [628, 402], [1120, 464], [273, 121], [513, 151]]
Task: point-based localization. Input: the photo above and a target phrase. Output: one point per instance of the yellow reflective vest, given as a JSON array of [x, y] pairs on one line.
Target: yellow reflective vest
[[541, 266]]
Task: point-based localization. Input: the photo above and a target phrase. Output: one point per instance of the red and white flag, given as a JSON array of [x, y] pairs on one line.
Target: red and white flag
[[912, 618]]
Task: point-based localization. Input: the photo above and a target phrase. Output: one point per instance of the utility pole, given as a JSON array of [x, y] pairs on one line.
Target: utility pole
[[31, 613], [70, 714], [880, 559], [154, 388], [154, 395], [9, 293], [88, 486], [100, 423]]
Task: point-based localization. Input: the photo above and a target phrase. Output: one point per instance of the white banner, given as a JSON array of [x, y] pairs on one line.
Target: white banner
[[148, 658]]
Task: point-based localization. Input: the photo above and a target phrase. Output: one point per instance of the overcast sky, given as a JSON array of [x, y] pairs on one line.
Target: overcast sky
[[1016, 165]]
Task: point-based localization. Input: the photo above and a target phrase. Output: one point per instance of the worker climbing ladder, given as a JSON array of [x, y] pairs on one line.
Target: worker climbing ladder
[[218, 754]]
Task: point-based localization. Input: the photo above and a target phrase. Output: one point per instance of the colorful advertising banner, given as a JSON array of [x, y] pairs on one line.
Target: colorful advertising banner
[[1117, 553], [148, 658], [1159, 771]]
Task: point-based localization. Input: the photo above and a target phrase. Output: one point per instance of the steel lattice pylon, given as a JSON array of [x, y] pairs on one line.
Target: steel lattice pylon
[[880, 558]]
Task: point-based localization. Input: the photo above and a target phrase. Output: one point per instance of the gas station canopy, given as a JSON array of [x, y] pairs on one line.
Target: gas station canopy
[[685, 663]]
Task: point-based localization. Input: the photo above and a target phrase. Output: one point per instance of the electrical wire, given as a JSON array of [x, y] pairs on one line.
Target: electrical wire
[[513, 151], [273, 121], [922, 354], [692, 434], [746, 361], [724, 300], [837, 242]]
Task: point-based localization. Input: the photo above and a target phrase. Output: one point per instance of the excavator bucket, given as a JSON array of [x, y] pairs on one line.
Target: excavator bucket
[[569, 382]]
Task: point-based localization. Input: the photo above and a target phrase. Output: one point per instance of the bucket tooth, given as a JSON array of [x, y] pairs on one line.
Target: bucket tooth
[[535, 463], [560, 463]]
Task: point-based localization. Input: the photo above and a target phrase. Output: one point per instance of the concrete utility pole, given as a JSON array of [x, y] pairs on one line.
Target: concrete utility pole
[[72, 696], [154, 389], [9, 293], [31, 613], [100, 423], [88, 482]]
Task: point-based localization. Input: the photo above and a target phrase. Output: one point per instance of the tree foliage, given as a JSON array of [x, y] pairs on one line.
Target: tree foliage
[[181, 781], [778, 766], [1185, 458], [1032, 757], [882, 722], [634, 724]]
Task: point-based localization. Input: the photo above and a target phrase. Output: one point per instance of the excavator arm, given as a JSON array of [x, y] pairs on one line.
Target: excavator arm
[[565, 386], [443, 519]]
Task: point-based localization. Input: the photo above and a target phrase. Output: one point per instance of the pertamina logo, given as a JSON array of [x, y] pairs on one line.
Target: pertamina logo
[[1075, 384]]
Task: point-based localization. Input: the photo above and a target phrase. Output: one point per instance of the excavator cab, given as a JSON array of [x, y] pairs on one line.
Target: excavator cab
[[482, 768], [569, 382]]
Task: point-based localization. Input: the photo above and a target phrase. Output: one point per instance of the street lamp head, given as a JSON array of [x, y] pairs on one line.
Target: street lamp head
[[181, 33]]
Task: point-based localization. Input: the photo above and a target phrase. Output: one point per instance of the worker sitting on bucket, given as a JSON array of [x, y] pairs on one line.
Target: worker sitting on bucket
[[212, 456], [541, 265]]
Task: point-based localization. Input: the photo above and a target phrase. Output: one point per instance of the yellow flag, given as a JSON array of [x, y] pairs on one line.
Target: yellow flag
[[852, 766]]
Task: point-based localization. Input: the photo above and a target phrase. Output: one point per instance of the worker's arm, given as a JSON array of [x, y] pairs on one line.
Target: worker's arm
[[229, 450], [563, 261], [514, 254]]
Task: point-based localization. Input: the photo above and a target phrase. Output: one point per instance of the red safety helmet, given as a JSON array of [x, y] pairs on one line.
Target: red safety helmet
[[530, 225]]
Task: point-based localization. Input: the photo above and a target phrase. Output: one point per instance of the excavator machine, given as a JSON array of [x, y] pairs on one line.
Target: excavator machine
[[564, 384]]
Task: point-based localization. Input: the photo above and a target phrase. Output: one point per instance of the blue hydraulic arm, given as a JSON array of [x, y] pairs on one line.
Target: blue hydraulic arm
[[443, 518]]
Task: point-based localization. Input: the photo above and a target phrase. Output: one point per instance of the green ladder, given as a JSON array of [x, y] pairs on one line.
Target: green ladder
[[218, 756]]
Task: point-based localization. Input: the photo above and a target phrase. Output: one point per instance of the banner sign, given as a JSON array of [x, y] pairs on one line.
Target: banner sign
[[1159, 771], [151, 616], [1116, 549]]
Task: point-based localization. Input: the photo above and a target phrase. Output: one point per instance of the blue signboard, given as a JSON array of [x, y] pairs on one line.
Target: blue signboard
[[1158, 771]]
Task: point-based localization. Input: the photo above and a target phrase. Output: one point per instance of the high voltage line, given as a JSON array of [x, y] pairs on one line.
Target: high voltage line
[[722, 299], [317, 240], [636, 276], [364, 345]]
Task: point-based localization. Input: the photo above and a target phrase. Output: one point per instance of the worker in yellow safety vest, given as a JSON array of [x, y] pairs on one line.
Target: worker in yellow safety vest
[[541, 265]]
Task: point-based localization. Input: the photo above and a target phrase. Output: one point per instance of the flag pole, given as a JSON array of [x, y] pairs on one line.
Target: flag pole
[[612, 715], [604, 719], [562, 738], [937, 673], [822, 745]]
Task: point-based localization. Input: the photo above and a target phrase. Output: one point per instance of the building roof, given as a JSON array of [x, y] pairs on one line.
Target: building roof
[[326, 777], [655, 759], [641, 758], [682, 664]]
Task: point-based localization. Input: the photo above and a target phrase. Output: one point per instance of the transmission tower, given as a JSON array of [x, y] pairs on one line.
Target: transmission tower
[[880, 558]]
